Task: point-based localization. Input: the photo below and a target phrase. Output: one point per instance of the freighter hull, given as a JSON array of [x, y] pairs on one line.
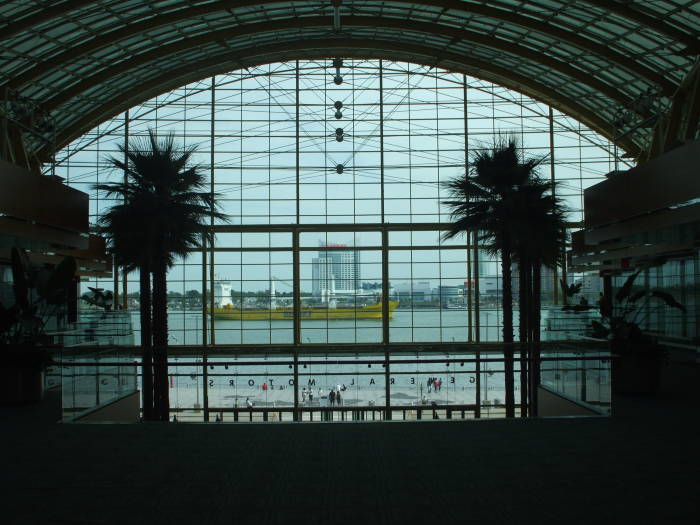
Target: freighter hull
[[373, 311]]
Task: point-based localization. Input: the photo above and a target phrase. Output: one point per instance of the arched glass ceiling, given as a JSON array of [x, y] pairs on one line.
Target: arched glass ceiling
[[87, 60], [404, 128]]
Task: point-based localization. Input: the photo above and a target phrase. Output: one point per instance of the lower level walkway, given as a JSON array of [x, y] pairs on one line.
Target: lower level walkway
[[638, 467]]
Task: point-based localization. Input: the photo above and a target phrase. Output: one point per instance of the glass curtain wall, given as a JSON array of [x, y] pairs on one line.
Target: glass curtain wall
[[331, 174]]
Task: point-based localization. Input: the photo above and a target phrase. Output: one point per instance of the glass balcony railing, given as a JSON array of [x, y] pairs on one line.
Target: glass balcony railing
[[579, 372], [458, 382], [92, 372], [92, 378], [98, 328], [566, 325]]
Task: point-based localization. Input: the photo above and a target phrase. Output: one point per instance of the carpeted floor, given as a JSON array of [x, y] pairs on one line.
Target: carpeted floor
[[638, 467]]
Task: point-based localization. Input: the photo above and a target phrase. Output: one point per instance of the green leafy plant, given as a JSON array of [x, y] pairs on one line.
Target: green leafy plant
[[622, 320], [39, 293], [99, 297], [570, 291]]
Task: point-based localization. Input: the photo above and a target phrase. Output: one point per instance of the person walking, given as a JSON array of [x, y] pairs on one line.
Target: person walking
[[303, 395], [338, 399], [331, 397]]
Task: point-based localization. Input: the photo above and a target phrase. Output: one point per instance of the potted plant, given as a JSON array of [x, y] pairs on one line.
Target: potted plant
[[39, 292], [99, 298], [570, 291], [637, 356]]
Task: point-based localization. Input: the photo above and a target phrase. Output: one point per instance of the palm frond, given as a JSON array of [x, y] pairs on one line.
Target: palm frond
[[164, 210]]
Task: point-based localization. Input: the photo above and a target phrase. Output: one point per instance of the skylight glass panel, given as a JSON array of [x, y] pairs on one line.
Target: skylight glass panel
[[624, 37], [13, 9]]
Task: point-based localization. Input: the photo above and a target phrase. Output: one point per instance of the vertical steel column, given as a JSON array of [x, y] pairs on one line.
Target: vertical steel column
[[552, 173], [296, 283], [469, 291], [385, 253], [564, 263], [298, 138], [477, 306], [381, 137], [477, 412], [296, 292], [470, 318], [125, 291], [212, 159], [529, 352], [385, 321], [212, 333], [205, 293], [206, 297], [385, 286], [125, 281], [115, 284], [387, 384]]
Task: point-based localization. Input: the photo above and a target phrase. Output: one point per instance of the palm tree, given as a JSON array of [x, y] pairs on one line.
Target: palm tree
[[122, 225], [487, 199], [164, 190], [540, 219]]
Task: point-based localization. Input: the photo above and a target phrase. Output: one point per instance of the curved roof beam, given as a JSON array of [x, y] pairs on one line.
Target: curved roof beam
[[43, 15], [657, 24], [130, 30], [322, 49], [266, 27]]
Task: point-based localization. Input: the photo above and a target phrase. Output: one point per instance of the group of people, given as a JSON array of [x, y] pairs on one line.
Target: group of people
[[434, 384], [308, 394], [334, 395]]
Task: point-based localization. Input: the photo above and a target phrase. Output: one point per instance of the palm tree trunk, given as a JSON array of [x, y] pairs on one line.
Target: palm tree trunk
[[146, 341], [160, 339], [535, 350], [508, 329]]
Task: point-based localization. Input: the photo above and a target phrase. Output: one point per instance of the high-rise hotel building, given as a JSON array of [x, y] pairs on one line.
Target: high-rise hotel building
[[336, 272]]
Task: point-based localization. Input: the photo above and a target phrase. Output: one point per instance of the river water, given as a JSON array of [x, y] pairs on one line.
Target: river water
[[185, 327]]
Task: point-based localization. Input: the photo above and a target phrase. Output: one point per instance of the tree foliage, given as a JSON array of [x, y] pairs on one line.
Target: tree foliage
[[163, 214]]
